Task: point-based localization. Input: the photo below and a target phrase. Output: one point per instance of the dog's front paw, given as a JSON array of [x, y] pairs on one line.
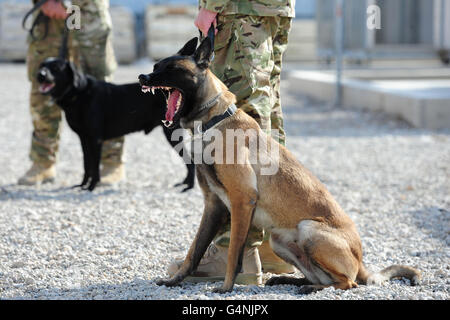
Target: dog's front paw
[[168, 282]]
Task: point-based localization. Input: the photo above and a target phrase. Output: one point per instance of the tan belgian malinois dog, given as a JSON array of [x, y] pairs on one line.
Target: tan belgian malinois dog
[[308, 227]]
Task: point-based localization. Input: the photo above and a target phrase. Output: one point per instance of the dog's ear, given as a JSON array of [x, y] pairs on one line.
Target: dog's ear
[[189, 48], [204, 53], [79, 80]]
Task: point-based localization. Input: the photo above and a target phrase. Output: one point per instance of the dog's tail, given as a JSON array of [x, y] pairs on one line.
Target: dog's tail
[[394, 271]]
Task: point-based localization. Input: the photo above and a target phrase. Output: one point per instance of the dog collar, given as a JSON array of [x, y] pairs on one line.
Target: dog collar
[[207, 105], [216, 119]]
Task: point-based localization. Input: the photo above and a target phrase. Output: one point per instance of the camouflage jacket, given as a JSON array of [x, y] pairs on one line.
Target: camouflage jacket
[[282, 8]]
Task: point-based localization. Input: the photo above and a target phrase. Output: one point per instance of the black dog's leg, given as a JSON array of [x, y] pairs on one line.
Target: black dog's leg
[[190, 178], [86, 161], [94, 163], [178, 145]]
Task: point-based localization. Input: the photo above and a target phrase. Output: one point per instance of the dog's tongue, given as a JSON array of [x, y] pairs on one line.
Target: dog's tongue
[[172, 104]]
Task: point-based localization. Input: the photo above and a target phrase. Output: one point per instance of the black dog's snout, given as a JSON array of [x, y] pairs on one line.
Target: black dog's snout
[[144, 78]]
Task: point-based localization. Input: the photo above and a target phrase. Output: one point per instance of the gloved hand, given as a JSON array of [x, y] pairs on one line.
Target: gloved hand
[[204, 20], [54, 9]]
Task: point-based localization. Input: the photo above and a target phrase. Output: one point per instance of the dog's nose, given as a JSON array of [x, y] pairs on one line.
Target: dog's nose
[[144, 78]]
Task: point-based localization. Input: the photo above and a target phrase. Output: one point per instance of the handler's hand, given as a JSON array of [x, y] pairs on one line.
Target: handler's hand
[[204, 20], [54, 9]]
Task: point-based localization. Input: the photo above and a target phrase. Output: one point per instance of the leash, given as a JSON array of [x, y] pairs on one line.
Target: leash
[[63, 50], [41, 18], [211, 35]]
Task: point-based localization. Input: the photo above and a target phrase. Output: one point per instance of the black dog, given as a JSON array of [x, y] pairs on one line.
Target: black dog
[[98, 111]]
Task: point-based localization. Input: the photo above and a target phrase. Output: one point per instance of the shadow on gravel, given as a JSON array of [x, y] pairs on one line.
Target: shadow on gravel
[[15, 192]]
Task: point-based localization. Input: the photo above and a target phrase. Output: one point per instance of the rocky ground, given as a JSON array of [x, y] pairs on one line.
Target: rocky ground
[[59, 243]]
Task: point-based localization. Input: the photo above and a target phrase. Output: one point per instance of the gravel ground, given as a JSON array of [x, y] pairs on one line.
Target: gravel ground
[[58, 243]]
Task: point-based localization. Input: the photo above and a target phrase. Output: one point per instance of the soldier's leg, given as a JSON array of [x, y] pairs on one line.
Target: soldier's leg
[[46, 115], [281, 27], [243, 61], [46, 119], [248, 60]]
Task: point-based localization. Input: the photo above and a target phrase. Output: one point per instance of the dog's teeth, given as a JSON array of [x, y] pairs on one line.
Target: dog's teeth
[[153, 90]]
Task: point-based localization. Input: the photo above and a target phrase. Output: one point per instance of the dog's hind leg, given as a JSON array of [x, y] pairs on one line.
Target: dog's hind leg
[[214, 216], [322, 254]]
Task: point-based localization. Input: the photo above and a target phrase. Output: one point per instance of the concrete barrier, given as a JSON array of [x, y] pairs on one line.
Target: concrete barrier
[[423, 104], [125, 45], [13, 38]]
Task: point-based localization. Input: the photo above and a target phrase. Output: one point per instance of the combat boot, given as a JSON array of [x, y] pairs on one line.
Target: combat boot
[[112, 173], [213, 266], [271, 262], [37, 174]]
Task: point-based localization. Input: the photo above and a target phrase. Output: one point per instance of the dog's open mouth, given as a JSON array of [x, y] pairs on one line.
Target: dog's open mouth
[[174, 99], [46, 87]]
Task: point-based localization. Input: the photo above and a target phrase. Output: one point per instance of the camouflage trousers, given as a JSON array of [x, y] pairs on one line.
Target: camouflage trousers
[[248, 59], [96, 59]]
